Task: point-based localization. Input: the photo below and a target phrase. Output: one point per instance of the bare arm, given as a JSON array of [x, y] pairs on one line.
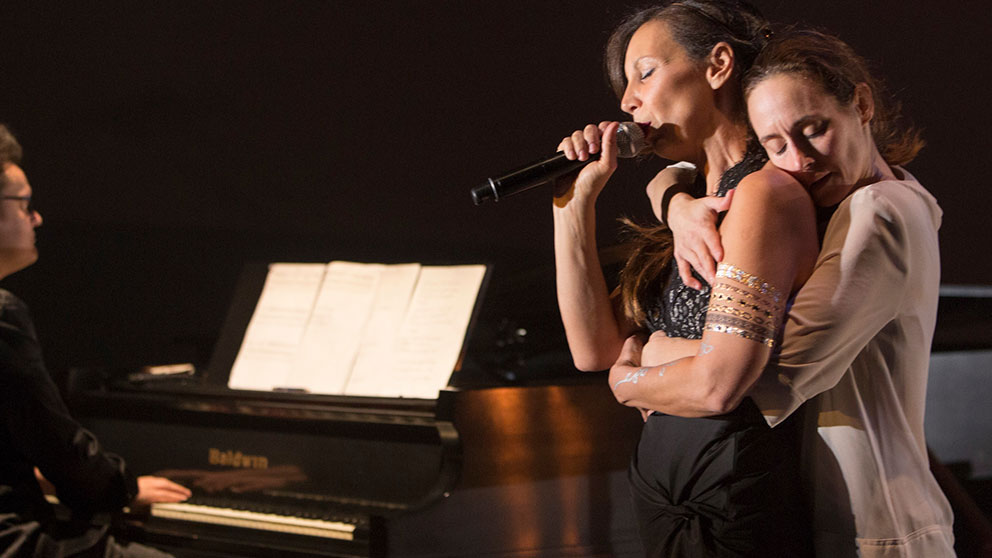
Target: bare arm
[[770, 234], [674, 181], [660, 349], [594, 331]]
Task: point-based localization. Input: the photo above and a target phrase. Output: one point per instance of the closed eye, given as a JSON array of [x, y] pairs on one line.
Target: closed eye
[[815, 130], [775, 146], [646, 74]]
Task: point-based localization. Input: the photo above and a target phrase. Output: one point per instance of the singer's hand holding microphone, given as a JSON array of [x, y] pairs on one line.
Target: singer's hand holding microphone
[[594, 147], [585, 145]]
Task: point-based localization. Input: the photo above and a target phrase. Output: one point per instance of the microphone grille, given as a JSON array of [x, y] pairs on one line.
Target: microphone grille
[[630, 140]]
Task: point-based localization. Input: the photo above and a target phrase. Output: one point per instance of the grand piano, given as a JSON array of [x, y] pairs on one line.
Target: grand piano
[[521, 455]]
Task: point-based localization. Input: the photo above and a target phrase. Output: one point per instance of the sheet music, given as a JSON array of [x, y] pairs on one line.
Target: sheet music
[[334, 332], [358, 329], [277, 326], [375, 353], [429, 340]]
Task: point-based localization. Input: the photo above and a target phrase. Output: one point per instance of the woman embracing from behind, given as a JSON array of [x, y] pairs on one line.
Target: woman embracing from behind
[[857, 341], [710, 477]]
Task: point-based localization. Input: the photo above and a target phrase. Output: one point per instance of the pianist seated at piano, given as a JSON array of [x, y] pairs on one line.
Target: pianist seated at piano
[[40, 443]]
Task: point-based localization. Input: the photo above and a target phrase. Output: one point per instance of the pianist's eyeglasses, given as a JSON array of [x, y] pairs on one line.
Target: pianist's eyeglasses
[[25, 202]]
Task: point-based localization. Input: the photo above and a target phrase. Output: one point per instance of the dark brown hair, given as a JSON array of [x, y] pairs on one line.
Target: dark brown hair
[[834, 66], [697, 26]]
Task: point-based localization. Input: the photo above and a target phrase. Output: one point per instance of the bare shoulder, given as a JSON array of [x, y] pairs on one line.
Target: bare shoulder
[[771, 182], [770, 190], [771, 225]]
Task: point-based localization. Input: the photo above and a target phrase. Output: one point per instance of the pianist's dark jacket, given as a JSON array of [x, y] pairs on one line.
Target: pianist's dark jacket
[[37, 430]]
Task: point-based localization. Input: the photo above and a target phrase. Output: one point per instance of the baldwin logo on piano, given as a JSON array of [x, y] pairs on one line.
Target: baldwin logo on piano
[[238, 460]]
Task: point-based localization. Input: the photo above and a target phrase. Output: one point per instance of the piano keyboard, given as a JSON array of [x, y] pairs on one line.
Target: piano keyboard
[[255, 520]]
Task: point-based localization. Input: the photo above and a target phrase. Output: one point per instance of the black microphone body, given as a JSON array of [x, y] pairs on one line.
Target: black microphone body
[[630, 142]]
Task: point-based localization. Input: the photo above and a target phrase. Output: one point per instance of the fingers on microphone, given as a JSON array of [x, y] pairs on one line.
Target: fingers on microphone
[[592, 136], [587, 141], [610, 143], [580, 144]]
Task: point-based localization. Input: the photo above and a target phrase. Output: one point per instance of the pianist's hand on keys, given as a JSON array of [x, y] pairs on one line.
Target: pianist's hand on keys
[[153, 490]]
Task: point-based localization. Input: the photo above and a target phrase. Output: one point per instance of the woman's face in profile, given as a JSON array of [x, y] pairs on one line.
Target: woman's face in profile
[[667, 91], [826, 146]]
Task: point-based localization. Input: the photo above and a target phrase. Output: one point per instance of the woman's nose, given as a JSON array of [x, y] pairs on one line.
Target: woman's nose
[[799, 161], [629, 102], [36, 219]]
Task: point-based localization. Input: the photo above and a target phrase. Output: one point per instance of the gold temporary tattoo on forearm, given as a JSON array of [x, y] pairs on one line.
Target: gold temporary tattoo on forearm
[[743, 304]]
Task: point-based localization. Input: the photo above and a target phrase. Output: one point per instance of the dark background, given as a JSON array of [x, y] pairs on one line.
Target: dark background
[[171, 143]]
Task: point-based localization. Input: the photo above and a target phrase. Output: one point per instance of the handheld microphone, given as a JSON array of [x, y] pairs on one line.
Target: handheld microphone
[[630, 143]]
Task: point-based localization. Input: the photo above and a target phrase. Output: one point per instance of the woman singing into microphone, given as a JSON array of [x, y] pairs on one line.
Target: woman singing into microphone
[[709, 477]]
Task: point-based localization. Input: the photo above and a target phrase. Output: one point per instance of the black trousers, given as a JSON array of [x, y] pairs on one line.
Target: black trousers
[[724, 487]]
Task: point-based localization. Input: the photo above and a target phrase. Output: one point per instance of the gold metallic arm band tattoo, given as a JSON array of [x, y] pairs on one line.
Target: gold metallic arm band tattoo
[[742, 328], [758, 315], [743, 304], [754, 282], [742, 297]]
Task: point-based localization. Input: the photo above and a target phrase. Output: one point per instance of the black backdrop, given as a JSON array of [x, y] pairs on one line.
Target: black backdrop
[[169, 143]]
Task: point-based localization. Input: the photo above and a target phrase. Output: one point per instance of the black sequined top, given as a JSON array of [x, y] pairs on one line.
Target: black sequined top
[[678, 310]]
